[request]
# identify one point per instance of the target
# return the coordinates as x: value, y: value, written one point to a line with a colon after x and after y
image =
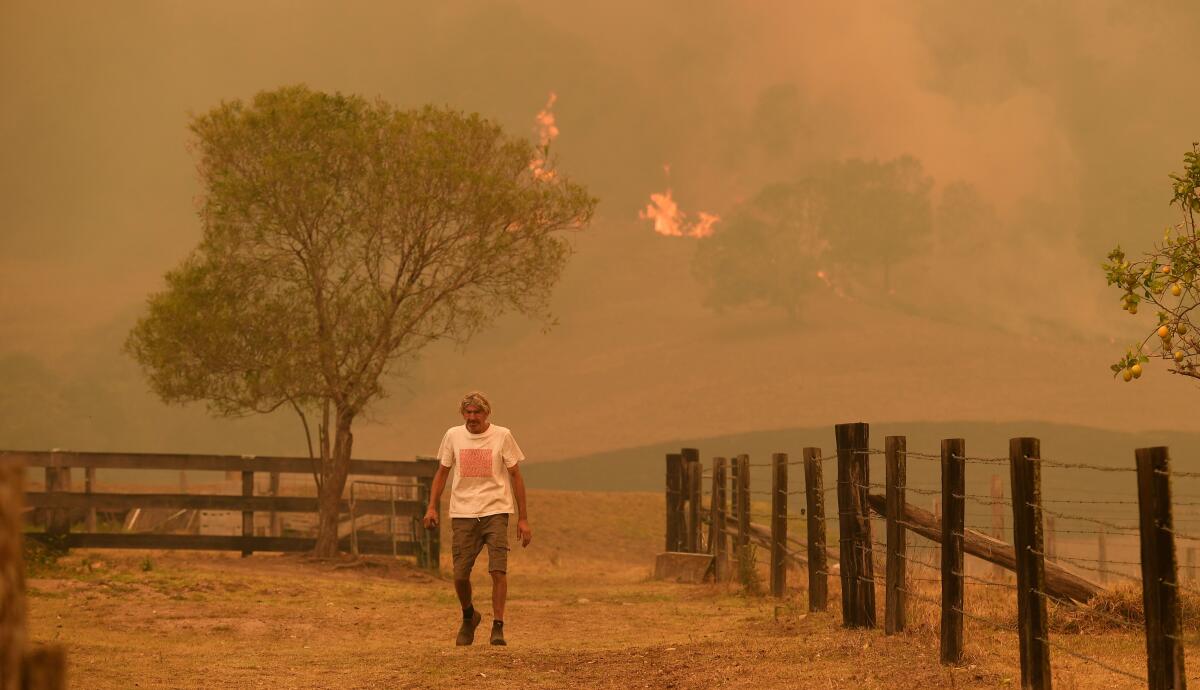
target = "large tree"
x: 768, y: 251
x: 1168, y: 277
x: 341, y: 236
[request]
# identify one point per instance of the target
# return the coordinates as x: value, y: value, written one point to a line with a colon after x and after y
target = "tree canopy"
x: 340, y: 237
x: 790, y: 237
x: 1168, y: 278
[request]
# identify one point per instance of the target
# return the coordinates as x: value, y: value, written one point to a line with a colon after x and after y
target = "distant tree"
x: 791, y: 237
x: 1169, y: 278
x: 879, y: 213
x: 341, y: 236
x: 767, y: 251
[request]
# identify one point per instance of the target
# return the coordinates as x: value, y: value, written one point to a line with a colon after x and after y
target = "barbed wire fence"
x: 1020, y: 577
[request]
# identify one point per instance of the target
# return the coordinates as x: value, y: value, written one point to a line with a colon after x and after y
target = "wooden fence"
x: 1038, y: 579
x: 59, y: 503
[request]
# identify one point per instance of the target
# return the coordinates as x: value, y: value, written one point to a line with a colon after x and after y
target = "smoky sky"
x: 1062, y: 118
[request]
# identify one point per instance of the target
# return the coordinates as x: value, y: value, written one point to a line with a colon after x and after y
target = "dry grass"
x: 583, y: 613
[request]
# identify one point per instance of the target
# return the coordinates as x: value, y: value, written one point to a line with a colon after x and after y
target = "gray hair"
x: 475, y: 398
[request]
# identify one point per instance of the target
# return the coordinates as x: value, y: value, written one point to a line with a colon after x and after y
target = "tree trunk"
x: 333, y: 483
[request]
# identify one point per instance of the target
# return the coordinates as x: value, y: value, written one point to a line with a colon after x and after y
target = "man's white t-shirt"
x: 480, y: 483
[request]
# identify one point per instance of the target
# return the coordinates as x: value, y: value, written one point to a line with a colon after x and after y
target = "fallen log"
x: 761, y: 534
x: 1059, y: 582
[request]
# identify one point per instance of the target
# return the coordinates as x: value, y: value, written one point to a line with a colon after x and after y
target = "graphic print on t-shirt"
x: 475, y: 462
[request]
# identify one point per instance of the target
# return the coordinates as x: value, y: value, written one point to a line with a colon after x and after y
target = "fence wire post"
x: 717, y: 506
x: 814, y: 494
x: 743, y: 490
x: 895, y: 453
x: 691, y: 494
x: 247, y: 515
x: 1024, y: 455
x: 997, y: 519
x: 674, y: 502
x: 779, y: 504
x: 1160, y: 577
x: 953, y: 523
x: 857, y: 562
x: 353, y: 524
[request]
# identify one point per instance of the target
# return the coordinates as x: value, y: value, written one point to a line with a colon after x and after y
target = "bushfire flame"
x: 547, y: 131
x: 669, y: 221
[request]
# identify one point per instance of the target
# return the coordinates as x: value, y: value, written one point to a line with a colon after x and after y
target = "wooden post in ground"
x: 247, y: 515
x: 58, y: 480
x: 276, y: 524
x: 1024, y: 456
x: 1160, y: 578
x: 857, y: 562
x: 743, y: 490
x: 954, y: 488
x: 13, y: 633
x: 695, y: 472
x: 717, y: 505
x: 21, y: 667
x: 814, y: 496
x: 1051, y: 539
x: 1102, y: 557
x: 89, y: 485
x: 674, y: 502
x: 997, y: 519
x: 779, y: 506
x: 895, y: 457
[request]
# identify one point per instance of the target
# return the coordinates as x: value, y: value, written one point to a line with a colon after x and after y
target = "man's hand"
x: 525, y: 532
x: 431, y: 518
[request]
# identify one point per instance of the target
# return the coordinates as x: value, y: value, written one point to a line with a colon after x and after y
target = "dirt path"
x: 582, y: 613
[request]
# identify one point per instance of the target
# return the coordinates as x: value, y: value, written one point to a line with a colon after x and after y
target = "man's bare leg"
x: 499, y: 593
x: 463, y: 589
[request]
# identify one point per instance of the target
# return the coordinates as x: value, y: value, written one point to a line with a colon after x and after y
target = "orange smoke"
x: 671, y: 222
x: 547, y: 132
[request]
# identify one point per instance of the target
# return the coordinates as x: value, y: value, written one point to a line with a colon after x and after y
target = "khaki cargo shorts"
x: 470, y: 536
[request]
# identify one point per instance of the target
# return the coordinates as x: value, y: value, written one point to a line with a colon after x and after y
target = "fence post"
x: 895, y: 454
x: 1102, y: 558
x: 674, y: 501
x: 743, y: 490
x: 276, y: 528
x: 13, y: 633
x: 857, y: 561
x: 997, y: 519
x: 814, y: 494
x: 779, y: 506
x: 717, y: 507
x: 89, y: 482
x: 247, y: 515
x: 953, y: 523
x: 1024, y: 455
x: 1160, y: 579
x: 1051, y: 539
x: 695, y: 472
x: 58, y: 480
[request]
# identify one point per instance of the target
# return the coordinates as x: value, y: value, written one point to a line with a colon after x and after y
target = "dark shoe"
x: 498, y: 634
x: 466, y: 633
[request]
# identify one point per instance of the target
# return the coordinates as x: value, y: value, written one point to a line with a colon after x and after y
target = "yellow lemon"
x: 1127, y: 375
x: 1179, y: 355
x: 1176, y: 289
x: 1163, y: 331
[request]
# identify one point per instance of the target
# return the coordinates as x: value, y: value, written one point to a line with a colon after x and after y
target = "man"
x: 485, y: 462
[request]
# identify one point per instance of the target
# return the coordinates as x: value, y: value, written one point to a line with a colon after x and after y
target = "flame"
x: 547, y: 131
x: 670, y: 221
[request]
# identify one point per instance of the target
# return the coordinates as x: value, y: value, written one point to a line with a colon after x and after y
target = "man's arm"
x: 435, y: 496
x: 518, y: 483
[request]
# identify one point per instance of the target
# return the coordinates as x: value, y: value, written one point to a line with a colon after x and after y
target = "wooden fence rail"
x: 59, y: 502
